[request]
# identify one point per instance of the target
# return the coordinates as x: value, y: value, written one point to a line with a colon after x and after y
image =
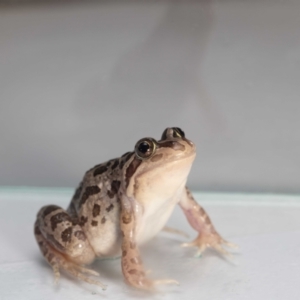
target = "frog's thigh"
x: 63, y: 243
x: 64, y: 234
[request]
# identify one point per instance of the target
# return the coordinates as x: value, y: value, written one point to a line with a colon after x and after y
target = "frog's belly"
x: 152, y: 222
x: 106, y: 238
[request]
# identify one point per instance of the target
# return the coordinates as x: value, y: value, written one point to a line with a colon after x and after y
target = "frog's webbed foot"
x: 211, y: 240
x: 134, y: 273
x: 144, y: 283
x: 79, y: 272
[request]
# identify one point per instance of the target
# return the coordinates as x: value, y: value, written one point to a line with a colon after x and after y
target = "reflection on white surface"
x: 267, y: 266
x: 81, y: 84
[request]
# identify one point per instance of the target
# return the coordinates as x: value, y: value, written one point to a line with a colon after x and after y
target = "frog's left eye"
x: 178, y: 132
x: 145, y: 148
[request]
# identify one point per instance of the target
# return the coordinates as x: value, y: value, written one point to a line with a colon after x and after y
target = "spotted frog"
x: 121, y: 204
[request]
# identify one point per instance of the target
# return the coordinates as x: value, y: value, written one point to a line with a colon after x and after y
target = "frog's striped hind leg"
x: 63, y: 244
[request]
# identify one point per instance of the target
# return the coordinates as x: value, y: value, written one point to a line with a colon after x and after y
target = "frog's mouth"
x: 160, y: 163
x: 176, y: 149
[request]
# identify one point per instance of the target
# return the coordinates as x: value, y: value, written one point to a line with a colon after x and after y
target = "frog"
x: 120, y: 205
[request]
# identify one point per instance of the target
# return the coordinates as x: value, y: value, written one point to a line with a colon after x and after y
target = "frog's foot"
x: 212, y: 240
x: 175, y: 231
x: 148, y: 284
x: 58, y: 262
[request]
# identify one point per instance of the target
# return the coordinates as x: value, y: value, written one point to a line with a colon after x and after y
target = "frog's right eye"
x: 173, y: 132
x: 145, y: 148
x: 178, y: 132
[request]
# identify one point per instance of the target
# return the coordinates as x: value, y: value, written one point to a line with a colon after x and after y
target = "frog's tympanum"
x: 121, y: 204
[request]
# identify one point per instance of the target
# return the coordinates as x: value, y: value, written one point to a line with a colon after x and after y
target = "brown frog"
x: 121, y: 204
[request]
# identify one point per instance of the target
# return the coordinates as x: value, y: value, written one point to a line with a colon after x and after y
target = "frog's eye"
x: 145, y: 148
x: 174, y: 132
x: 178, y: 132
x: 164, y: 134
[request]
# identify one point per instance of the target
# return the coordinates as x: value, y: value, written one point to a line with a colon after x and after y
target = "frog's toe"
x: 219, y: 245
x: 86, y: 271
x: 214, y: 241
x: 165, y: 281
x: 79, y: 274
x: 59, y: 262
x: 149, y: 285
x: 55, y: 268
x: 230, y: 245
x: 190, y: 244
x: 220, y: 249
x: 175, y: 231
x: 78, y: 271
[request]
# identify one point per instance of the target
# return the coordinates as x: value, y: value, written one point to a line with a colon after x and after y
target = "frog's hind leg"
x: 64, y: 244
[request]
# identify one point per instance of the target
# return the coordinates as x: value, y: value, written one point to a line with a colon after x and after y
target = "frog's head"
x: 160, y: 168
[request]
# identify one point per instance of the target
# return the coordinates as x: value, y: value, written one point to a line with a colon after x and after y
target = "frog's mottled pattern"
x: 121, y: 204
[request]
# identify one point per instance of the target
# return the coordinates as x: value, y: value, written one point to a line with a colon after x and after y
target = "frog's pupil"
x: 144, y: 147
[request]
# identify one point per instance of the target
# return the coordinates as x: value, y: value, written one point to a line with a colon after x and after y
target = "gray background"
x: 80, y: 84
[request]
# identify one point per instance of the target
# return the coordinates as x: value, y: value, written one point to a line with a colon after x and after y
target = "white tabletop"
x: 266, y: 227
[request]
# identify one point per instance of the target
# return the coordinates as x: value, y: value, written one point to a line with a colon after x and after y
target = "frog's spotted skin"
x: 121, y: 204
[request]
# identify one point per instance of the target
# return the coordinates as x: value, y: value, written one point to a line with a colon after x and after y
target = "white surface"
x: 80, y: 84
x: 266, y: 227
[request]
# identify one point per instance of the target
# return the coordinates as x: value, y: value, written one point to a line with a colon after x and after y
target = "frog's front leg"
x: 132, y: 265
x: 63, y: 243
x: 207, y: 237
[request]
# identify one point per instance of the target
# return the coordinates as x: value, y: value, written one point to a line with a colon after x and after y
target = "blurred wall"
x: 80, y: 84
